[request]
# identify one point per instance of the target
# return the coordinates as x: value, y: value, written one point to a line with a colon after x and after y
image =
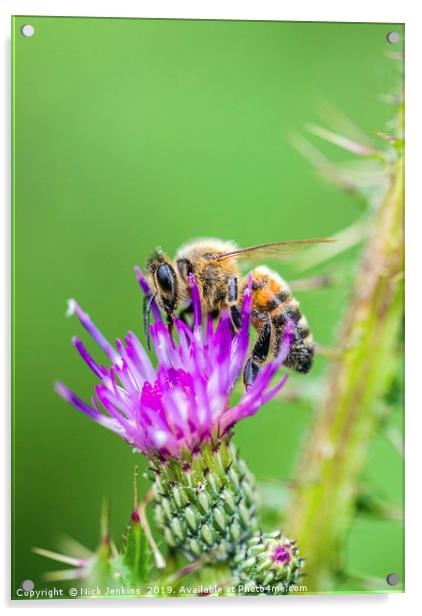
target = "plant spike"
x: 93, y: 568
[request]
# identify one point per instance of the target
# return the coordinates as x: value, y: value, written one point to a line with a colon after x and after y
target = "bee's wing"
x: 275, y: 250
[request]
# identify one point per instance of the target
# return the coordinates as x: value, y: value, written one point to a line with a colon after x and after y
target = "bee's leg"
x: 148, y: 299
x: 250, y: 372
x: 232, y: 292
x: 170, y: 325
x: 260, y: 350
x: 236, y: 316
x: 232, y: 297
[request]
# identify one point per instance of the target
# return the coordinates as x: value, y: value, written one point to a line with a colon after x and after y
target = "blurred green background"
x: 130, y: 133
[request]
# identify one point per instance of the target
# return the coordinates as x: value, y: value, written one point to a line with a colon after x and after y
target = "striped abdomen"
x: 273, y: 306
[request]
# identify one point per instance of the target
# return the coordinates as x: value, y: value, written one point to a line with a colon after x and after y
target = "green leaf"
x: 99, y: 573
x: 134, y: 564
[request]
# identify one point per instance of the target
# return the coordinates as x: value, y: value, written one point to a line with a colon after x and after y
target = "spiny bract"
x: 207, y: 504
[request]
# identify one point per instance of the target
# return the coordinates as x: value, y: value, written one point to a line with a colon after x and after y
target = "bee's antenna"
x: 148, y: 299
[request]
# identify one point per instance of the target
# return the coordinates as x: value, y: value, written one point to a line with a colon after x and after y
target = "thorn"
x: 61, y: 558
x: 390, y: 138
x: 105, y: 522
x: 341, y: 123
x: 158, y: 557
x: 114, y: 549
x: 341, y: 141
x: 69, y: 545
x: 64, y: 575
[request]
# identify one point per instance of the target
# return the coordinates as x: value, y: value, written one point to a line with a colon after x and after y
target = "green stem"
x: 336, y: 448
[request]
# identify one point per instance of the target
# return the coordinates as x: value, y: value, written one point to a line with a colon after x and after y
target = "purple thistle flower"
x: 185, y: 400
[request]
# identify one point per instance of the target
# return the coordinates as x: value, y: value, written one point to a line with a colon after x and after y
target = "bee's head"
x: 163, y: 279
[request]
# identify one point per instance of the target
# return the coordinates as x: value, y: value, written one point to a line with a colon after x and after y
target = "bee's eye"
x: 165, y: 278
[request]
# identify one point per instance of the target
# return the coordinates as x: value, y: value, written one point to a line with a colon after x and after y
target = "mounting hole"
x: 393, y: 579
x: 27, y: 30
x: 393, y: 38
x: 27, y: 585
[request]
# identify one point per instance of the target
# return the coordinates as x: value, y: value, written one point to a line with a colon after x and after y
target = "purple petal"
x: 249, y: 404
x: 68, y: 395
x: 164, y: 346
x: 87, y: 358
x: 133, y: 354
x: 144, y: 362
x: 93, y: 330
x: 270, y: 394
x: 110, y: 403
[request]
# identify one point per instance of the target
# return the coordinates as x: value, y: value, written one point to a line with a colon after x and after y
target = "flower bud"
x: 268, y: 563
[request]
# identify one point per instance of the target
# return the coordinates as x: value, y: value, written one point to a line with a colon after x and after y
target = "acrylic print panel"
x: 146, y: 467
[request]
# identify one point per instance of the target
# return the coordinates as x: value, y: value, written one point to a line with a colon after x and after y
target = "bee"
x: 215, y: 264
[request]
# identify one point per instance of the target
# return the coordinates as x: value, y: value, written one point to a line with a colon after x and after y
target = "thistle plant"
x: 327, y: 491
x: 178, y: 414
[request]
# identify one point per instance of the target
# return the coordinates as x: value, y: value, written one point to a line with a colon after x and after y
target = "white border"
x: 309, y: 10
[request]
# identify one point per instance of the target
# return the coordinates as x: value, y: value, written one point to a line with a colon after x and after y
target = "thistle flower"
x: 184, y: 402
x: 179, y: 416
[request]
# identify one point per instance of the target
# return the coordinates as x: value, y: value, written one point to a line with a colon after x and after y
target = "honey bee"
x: 215, y: 266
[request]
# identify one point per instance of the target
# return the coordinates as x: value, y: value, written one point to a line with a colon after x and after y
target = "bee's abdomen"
x: 269, y: 291
x: 272, y: 299
x: 301, y: 353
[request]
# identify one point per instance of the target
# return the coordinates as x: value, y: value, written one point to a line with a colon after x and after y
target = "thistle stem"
x: 336, y: 448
